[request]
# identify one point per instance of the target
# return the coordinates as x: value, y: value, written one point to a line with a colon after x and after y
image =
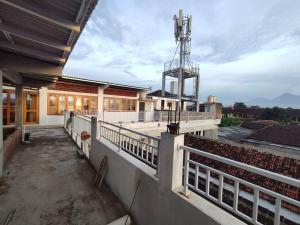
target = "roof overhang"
x: 37, y: 37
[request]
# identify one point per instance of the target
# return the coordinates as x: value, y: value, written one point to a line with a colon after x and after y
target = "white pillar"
x: 170, y: 161
x: 170, y: 172
x: 100, y: 101
x: 1, y: 126
x: 43, y: 114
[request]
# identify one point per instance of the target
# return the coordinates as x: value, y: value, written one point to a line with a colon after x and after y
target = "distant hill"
x: 285, y: 100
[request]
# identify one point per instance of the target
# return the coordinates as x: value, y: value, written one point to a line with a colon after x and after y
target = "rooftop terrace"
x: 48, y: 184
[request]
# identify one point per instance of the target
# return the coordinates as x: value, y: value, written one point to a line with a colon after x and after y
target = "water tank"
x: 212, y: 99
x: 174, y: 87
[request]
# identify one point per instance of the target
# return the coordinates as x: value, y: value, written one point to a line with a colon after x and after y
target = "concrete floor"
x: 49, y: 184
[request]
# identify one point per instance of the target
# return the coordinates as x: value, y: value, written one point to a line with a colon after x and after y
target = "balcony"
x: 171, y: 178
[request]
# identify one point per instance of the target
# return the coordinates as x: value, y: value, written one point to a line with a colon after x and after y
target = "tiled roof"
x: 279, y: 134
x: 258, y: 124
x: 278, y: 164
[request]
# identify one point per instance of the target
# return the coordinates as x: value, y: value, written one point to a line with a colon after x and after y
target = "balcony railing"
x: 201, y: 178
x: 156, y: 116
x: 142, y: 146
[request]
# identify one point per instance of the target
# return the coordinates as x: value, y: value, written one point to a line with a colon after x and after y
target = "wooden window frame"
x: 128, y: 102
x: 8, y: 107
x: 75, y: 97
x: 34, y: 111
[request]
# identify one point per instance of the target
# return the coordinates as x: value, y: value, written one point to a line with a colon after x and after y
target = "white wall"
x: 157, y: 201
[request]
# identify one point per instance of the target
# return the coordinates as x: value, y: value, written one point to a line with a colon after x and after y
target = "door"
x: 31, y: 109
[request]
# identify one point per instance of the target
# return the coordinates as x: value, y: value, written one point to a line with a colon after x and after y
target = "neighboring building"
x: 212, y: 106
x: 278, y: 134
x: 163, y: 103
x: 46, y: 105
x: 258, y: 124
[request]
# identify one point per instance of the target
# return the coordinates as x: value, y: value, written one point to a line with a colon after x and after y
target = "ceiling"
x: 37, y: 37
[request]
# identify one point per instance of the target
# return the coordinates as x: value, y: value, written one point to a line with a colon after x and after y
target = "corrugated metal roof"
x: 84, y: 80
x: 38, y: 29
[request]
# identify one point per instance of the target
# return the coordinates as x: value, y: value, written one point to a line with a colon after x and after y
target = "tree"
x: 230, y: 121
x: 239, y: 105
x: 278, y: 114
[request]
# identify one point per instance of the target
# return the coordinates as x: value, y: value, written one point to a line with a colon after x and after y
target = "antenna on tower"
x: 181, y: 67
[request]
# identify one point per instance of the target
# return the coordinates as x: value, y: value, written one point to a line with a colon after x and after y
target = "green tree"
x: 278, y: 114
x: 230, y: 121
x: 239, y: 105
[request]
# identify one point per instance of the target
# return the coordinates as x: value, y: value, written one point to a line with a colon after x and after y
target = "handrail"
x: 281, y: 200
x: 275, y: 176
x: 133, y: 131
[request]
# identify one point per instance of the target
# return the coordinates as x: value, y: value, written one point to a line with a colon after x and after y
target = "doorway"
x: 31, y: 108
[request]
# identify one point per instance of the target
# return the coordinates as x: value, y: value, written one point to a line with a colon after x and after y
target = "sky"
x: 246, y: 48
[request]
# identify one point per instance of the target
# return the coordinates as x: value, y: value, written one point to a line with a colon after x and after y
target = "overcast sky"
x: 245, y: 48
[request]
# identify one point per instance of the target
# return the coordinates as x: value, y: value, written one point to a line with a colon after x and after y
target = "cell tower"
x: 180, y: 66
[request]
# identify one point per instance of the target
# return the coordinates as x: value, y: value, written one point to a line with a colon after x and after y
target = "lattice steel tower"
x: 180, y: 66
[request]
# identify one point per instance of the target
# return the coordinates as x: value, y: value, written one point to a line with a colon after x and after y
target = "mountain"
x: 285, y: 100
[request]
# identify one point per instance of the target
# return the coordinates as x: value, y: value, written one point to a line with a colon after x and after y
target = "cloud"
x: 245, y: 48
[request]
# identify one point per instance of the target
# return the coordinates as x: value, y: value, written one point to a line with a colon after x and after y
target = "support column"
x: 163, y: 88
x: 170, y: 171
x: 170, y: 161
x: 19, y: 106
x: 100, y: 102
x: 1, y: 126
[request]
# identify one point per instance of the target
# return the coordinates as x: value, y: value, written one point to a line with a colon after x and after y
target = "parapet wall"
x: 10, y: 143
x: 158, y: 200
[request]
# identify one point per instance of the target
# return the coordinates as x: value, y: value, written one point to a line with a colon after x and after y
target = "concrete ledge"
x: 200, y: 210
x: 10, y: 143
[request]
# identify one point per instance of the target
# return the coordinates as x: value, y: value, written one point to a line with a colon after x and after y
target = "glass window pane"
x: 86, y: 103
x: 105, y: 107
x: 123, y: 105
x: 12, y: 101
x: 133, y: 105
x: 111, y: 104
x: 128, y: 104
x: 118, y: 102
x: 70, y: 103
x: 31, y: 101
x: 78, y: 103
x: 31, y: 117
x: 12, y: 116
x: 61, y: 104
x: 5, y: 107
x: 52, y: 104
x: 94, y: 101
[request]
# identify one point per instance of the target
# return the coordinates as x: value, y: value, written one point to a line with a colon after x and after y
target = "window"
x: 5, y: 108
x: 52, y: 104
x: 70, y: 103
x: 93, y: 105
x: 78, y: 103
x: 61, y: 104
x: 128, y: 104
x: 86, y: 103
x: 57, y: 103
x: 133, y: 105
x: 105, y: 106
x: 123, y: 105
x: 111, y: 104
x: 118, y: 102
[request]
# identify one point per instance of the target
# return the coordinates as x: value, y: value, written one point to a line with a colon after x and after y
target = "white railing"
x: 79, y: 125
x: 142, y: 146
x: 194, y: 174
